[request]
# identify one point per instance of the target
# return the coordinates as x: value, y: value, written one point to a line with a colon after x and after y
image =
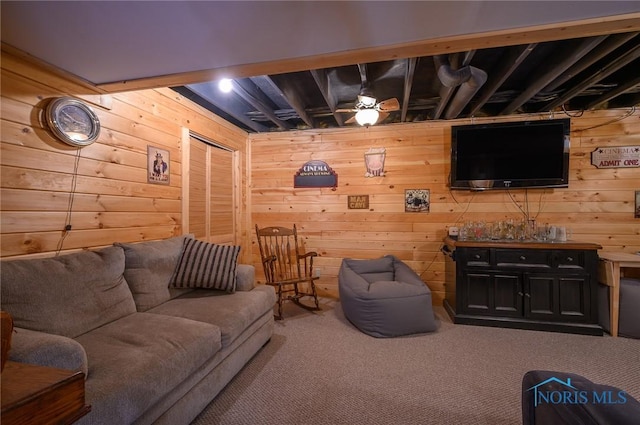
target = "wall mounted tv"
x: 523, y: 154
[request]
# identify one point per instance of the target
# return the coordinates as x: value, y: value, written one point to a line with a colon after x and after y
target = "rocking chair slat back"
x: 284, y: 266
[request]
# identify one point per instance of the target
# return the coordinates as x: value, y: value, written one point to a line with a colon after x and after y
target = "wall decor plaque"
x: 315, y: 173
x: 374, y: 162
x: 616, y: 157
x: 416, y: 200
x: 358, y: 202
x: 158, y: 170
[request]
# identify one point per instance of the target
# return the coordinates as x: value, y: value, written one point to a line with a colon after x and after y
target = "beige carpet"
x: 319, y: 369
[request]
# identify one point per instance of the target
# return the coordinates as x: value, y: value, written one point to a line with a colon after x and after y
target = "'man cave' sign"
x: 315, y: 174
x: 616, y: 157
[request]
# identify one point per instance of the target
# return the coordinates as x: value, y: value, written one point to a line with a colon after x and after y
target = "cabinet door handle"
x: 522, y: 257
x: 527, y: 295
x: 569, y: 259
x: 520, y: 293
x: 477, y: 256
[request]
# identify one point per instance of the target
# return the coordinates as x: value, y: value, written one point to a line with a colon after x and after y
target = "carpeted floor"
x: 319, y: 369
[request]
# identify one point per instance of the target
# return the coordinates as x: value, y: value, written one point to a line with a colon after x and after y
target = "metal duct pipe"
x: 448, y: 76
x: 466, y: 91
x: 450, y: 79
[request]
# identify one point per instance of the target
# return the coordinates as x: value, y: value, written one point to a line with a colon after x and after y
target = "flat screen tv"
x: 523, y: 154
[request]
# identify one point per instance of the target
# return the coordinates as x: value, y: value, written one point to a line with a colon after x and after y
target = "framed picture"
x: 637, y: 215
x: 158, y: 166
x: 416, y: 200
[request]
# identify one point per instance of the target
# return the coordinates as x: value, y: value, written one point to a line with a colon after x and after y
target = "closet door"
x: 221, y: 196
x: 211, y: 192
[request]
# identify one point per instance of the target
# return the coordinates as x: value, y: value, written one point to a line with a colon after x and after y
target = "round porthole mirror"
x: 72, y: 121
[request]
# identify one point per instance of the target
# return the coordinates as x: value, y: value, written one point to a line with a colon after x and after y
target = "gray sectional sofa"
x: 153, y: 350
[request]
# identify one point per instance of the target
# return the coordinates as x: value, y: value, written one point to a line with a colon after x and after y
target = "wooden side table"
x: 609, y: 273
x: 35, y: 395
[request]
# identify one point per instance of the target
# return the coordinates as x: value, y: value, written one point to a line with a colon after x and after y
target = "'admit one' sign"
x: 616, y: 157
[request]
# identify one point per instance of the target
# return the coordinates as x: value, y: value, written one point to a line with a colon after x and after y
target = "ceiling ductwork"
x: 447, y: 75
x: 469, y: 79
x: 465, y: 93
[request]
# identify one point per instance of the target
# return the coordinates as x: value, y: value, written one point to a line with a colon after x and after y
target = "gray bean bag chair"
x: 384, y: 297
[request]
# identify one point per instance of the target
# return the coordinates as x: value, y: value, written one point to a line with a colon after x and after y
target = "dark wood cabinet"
x: 527, y: 285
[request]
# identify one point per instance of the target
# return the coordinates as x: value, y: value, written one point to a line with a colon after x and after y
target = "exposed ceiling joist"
x: 207, y: 94
x: 248, y: 92
x: 408, y: 83
x: 562, y: 60
x: 628, y: 86
x: 512, y: 59
x: 607, y: 46
x: 621, y: 61
x: 321, y: 78
x: 291, y: 94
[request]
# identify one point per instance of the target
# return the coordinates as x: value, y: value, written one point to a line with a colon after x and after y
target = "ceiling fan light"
x: 367, y: 116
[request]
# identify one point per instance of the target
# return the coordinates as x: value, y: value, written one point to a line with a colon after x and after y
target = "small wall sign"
x: 374, y: 162
x: 358, y: 202
x: 158, y: 170
x: 616, y: 157
x: 416, y: 200
x: 315, y: 174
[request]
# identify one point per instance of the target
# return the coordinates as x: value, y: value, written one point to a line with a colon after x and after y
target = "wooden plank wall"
x: 598, y: 206
x: 112, y: 201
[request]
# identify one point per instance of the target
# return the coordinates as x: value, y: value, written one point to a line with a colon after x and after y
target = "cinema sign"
x: 315, y: 173
x: 616, y: 157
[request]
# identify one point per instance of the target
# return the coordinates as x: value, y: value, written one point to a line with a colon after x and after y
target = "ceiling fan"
x: 368, y: 110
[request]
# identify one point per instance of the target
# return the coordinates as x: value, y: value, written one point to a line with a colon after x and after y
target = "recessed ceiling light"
x: 225, y: 85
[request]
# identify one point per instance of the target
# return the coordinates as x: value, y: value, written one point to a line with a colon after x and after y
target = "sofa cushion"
x: 67, y: 295
x: 149, y: 268
x: 207, y: 265
x: 137, y: 360
x: 232, y: 313
x: 245, y: 277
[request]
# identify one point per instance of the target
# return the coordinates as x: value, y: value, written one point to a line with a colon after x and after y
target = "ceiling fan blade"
x: 351, y: 120
x: 388, y: 105
x: 382, y: 117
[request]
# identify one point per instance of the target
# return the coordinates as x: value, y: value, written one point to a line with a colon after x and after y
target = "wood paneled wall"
x: 112, y: 200
x: 598, y: 206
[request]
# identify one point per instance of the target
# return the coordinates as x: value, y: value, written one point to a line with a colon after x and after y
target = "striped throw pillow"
x: 206, y: 265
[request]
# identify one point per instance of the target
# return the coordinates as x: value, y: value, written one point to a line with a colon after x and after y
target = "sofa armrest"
x: 245, y: 277
x: 50, y: 350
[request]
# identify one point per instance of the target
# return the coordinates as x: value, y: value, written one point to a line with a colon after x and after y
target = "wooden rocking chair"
x: 285, y: 267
